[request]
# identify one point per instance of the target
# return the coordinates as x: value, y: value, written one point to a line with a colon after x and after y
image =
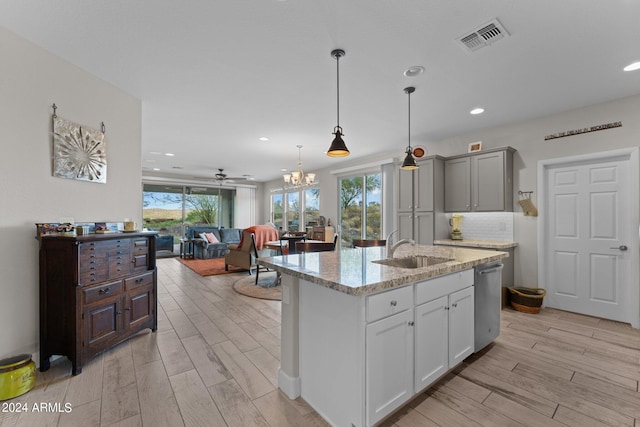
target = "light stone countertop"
x: 352, y: 272
x: 472, y: 243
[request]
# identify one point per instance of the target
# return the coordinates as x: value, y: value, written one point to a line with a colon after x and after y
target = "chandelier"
x: 298, y: 178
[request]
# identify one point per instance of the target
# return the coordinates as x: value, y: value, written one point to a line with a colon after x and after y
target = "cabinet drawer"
x: 119, y: 247
x: 92, y: 263
x: 94, y: 276
x: 96, y: 293
x: 140, y: 246
x: 444, y: 285
x: 388, y: 303
x: 92, y: 249
x: 137, y: 281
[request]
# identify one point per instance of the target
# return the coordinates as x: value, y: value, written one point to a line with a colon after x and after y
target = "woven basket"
x: 527, y: 300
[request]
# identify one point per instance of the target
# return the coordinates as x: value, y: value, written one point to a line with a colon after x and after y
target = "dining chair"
x: 317, y: 246
x: 358, y: 243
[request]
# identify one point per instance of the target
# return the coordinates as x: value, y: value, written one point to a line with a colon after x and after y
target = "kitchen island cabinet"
x: 349, y: 326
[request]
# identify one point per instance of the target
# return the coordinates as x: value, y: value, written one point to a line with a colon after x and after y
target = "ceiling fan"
x: 222, y: 177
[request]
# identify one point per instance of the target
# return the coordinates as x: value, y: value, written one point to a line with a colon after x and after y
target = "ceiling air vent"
x: 483, y: 36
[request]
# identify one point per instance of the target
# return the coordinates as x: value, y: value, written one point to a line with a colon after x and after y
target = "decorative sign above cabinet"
x: 583, y: 130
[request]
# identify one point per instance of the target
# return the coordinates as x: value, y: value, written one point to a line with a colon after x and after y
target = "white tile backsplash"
x: 487, y: 226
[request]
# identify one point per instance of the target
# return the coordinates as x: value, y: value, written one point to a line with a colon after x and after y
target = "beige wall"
x: 528, y: 139
x: 31, y: 80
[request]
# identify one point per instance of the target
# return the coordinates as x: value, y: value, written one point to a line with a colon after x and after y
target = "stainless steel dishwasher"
x: 487, y: 293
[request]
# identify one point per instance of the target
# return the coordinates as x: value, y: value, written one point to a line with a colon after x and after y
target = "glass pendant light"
x: 409, y: 162
x: 338, y: 148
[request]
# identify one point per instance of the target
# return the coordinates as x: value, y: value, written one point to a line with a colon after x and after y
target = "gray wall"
x: 31, y: 80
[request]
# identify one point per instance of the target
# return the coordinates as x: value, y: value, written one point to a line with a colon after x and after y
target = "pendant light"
x: 338, y: 148
x: 409, y: 162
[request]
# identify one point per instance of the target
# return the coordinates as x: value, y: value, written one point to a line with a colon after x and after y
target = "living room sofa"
x: 202, y: 249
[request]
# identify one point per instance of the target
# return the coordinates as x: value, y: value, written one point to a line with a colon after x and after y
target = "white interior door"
x: 589, y: 250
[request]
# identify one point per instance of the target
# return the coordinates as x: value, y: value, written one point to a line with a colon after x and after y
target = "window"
x: 311, y: 206
x: 360, y: 208
x: 293, y: 211
x: 277, y: 210
x: 301, y: 208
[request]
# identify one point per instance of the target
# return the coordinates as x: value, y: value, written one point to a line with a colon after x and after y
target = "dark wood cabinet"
x: 96, y: 291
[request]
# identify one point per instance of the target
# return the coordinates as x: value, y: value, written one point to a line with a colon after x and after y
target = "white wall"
x: 528, y: 139
x: 31, y: 80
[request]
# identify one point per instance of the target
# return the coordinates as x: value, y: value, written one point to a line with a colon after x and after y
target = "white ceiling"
x: 215, y: 75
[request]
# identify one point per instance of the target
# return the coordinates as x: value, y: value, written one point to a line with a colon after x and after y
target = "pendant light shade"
x: 338, y: 148
x: 409, y: 162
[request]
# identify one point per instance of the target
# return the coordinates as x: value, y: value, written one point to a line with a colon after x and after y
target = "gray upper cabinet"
x: 420, y: 194
x: 405, y: 191
x: 479, y: 182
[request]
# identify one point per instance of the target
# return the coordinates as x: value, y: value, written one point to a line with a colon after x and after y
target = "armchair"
x: 245, y: 254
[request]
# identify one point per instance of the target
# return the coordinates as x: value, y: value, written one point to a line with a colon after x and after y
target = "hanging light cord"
x: 409, y: 115
x: 409, y: 91
x: 338, y: 90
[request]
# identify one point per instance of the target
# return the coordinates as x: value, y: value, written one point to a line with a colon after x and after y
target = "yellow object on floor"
x: 17, y: 376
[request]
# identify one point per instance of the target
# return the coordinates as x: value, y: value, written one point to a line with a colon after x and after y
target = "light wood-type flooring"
x: 214, y: 358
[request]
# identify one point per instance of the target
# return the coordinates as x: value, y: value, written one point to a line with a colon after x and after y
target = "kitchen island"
x: 360, y: 338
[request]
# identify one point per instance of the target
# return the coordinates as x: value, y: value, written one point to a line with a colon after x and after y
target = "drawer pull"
x: 411, y: 323
x: 104, y: 291
x: 394, y: 303
x: 140, y: 280
x: 446, y: 307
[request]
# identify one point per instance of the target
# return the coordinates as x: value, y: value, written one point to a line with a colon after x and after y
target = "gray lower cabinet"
x: 479, y: 182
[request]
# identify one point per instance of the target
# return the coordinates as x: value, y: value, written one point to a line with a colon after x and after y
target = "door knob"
x: 621, y: 248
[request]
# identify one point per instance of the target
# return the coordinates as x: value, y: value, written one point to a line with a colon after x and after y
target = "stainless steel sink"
x: 417, y: 261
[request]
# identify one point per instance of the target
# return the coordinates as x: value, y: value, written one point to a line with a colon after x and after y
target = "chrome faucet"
x: 391, y: 248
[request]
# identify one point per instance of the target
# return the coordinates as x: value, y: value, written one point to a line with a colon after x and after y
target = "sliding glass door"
x: 170, y: 209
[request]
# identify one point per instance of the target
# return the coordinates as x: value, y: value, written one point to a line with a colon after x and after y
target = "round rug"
x: 266, y: 288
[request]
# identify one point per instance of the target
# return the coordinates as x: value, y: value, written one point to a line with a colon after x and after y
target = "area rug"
x: 267, y: 287
x: 209, y: 267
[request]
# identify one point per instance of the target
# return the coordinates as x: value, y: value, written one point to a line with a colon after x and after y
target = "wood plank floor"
x: 214, y: 358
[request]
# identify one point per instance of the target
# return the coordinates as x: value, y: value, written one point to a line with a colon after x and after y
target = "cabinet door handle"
x: 394, y: 303
x: 446, y: 307
x: 455, y: 304
x: 411, y: 323
x: 139, y: 280
x: 104, y: 291
x: 118, y: 312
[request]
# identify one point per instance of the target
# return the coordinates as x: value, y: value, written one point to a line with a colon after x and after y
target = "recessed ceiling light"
x: 156, y: 169
x: 477, y: 111
x: 169, y: 154
x: 632, y: 67
x: 414, y: 71
x: 263, y: 138
x: 283, y: 170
